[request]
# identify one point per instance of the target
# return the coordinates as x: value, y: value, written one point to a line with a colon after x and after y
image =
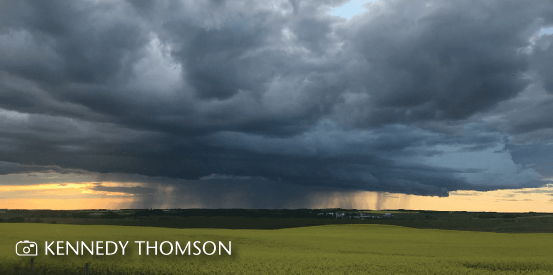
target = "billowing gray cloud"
x: 542, y: 56
x: 417, y: 97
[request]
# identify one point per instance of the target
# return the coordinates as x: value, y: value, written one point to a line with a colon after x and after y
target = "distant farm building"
x: 332, y: 214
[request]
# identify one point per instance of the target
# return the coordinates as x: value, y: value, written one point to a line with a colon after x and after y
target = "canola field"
x: 331, y: 249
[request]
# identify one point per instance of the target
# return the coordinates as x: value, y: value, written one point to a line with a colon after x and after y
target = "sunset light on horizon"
x: 87, y: 195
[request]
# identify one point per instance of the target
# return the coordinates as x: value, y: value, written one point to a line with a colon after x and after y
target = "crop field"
x: 329, y: 249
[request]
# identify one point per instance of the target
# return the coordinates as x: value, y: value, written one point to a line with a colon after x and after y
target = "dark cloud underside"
x: 417, y: 97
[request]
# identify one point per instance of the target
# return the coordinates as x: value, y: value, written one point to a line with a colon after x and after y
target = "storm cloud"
x: 414, y: 97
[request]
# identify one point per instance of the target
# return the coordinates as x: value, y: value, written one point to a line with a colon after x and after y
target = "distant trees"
x: 111, y: 215
x: 16, y: 219
x: 495, y: 216
x: 487, y: 216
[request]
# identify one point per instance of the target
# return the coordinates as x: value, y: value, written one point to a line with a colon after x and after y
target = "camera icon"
x: 26, y: 248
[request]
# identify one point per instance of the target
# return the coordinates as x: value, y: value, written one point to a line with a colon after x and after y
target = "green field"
x: 330, y: 249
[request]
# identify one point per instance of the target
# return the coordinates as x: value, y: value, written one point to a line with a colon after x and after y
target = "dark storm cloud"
x: 8, y: 167
x: 281, y: 91
x: 439, y: 61
x: 225, y: 191
x: 542, y: 58
x: 537, y: 156
x: 135, y: 190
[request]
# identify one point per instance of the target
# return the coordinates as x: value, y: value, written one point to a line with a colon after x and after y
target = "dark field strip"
x: 542, y: 224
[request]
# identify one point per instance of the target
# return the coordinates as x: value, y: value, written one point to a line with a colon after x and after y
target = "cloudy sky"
x: 276, y: 104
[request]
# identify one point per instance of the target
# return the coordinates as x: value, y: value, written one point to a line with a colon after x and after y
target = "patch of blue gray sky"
x: 351, y: 8
x: 546, y: 31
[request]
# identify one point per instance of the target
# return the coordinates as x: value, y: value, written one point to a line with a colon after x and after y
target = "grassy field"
x: 329, y: 249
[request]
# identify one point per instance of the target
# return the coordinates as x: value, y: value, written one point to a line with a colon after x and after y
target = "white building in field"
x: 364, y: 216
x: 332, y: 214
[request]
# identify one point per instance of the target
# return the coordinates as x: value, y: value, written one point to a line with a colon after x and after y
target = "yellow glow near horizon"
x: 67, y: 204
x: 510, y: 200
x: 48, y: 186
x: 66, y: 196
x: 71, y: 196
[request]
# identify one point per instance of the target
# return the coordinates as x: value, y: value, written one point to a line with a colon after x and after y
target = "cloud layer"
x: 415, y: 97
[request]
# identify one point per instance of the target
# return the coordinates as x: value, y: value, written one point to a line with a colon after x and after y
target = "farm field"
x: 328, y: 249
